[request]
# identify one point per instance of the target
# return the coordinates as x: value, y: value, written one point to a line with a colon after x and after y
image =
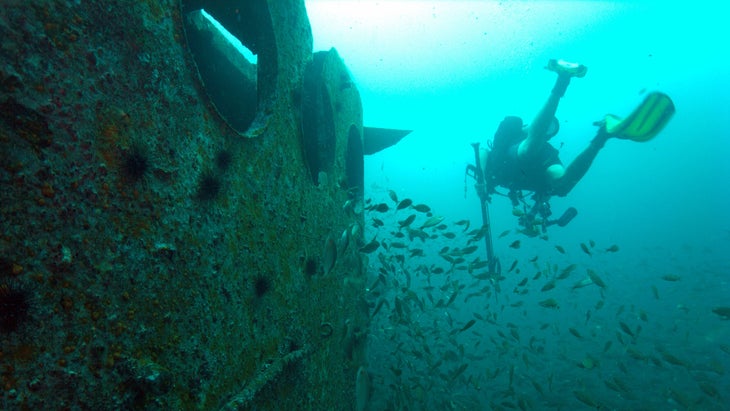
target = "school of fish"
x: 554, y: 330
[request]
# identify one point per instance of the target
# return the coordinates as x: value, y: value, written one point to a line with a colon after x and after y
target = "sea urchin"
x: 15, y: 304
x: 261, y: 285
x: 209, y: 185
x: 135, y: 163
x: 311, y: 266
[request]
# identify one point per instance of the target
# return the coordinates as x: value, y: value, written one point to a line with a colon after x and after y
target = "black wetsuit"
x: 516, y: 173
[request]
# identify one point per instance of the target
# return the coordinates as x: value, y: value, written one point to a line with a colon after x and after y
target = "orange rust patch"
x: 47, y: 190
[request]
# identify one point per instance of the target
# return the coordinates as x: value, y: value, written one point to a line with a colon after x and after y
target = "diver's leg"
x: 580, y: 165
x: 538, y: 128
x: 536, y: 133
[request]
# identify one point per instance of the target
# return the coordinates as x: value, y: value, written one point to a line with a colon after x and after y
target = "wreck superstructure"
x: 171, y: 251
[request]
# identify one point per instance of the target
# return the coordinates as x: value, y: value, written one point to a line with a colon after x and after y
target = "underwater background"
x: 652, y: 230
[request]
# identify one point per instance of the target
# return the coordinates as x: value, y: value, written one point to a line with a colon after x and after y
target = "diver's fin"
x: 567, y: 68
x: 645, y: 122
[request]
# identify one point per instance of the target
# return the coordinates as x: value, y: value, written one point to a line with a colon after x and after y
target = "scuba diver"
x: 521, y: 158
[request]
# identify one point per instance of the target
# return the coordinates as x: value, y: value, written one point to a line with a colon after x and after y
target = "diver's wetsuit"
x: 522, y: 160
x: 505, y: 168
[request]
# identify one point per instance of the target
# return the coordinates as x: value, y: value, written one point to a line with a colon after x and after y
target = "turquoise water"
x: 451, y: 71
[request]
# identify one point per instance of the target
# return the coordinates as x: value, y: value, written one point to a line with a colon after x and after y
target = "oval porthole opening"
x: 233, y: 48
x: 354, y: 164
x: 318, y: 123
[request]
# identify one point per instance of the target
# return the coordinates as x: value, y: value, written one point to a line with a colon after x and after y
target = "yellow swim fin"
x: 645, y: 122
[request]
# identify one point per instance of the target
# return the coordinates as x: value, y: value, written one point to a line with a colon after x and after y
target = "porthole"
x: 235, y: 54
x: 318, y: 123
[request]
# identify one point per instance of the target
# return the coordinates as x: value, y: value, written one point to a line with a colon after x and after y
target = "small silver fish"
x: 583, y: 283
x: 469, y: 250
x: 370, y: 247
x: 549, y: 303
x: 585, y: 249
x: 403, y: 204
x: 407, y: 221
x: 723, y: 312
x: 435, y: 220
x: 344, y: 240
x: 468, y: 325
x: 596, y: 279
x: 422, y: 208
x: 465, y: 223
x: 393, y: 196
x: 330, y: 255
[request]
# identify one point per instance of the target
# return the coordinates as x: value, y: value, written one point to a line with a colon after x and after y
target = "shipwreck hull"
x: 169, y: 259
